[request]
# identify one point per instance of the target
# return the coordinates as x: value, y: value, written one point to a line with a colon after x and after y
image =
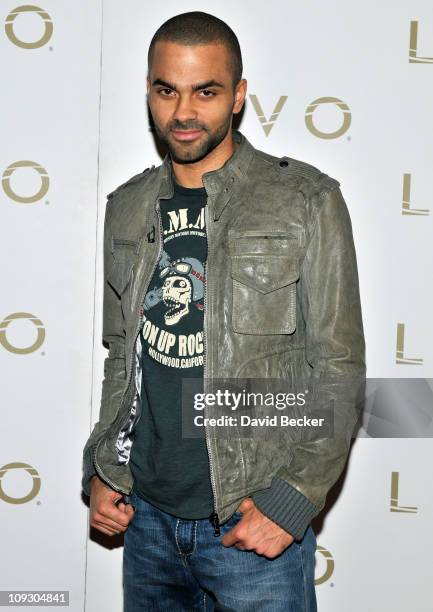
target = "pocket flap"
x: 264, y: 273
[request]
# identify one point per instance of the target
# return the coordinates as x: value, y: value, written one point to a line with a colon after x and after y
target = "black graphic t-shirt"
x: 169, y: 471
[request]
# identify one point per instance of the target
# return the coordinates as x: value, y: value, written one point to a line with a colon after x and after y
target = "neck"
x: 190, y: 175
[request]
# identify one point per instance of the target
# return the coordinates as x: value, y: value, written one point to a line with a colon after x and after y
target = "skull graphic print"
x: 172, y: 332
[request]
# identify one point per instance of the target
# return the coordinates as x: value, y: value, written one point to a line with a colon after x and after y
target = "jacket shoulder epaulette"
x: 130, y: 181
x: 296, y: 167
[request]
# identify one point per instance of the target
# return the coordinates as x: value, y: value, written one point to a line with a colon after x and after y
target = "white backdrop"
x: 74, y: 105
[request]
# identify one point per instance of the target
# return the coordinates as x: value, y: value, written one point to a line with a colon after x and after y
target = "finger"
x: 107, y: 522
x: 230, y: 538
x: 246, y: 504
x: 112, y: 513
x: 102, y: 523
x: 126, y: 509
x: 104, y: 529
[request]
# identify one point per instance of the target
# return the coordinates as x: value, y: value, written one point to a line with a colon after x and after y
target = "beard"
x: 190, y: 152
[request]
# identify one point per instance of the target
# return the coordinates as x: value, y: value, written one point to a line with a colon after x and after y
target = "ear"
x: 240, y: 93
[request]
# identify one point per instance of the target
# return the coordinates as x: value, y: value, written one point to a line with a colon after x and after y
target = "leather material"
x: 282, y: 301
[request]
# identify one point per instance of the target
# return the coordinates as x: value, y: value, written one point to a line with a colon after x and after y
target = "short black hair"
x: 199, y: 28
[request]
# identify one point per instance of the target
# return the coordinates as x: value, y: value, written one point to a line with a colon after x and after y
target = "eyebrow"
x: 197, y: 87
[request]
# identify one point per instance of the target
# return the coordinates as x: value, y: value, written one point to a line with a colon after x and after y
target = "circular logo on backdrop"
x: 20, y: 10
x: 45, y: 181
x: 329, y: 568
x: 28, y: 349
x: 347, y: 117
x: 36, y: 483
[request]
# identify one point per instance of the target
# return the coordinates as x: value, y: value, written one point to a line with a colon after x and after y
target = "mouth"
x: 186, y: 135
x: 174, y: 307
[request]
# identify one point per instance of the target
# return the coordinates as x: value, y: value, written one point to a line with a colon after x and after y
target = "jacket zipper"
x: 137, y: 331
x: 214, y: 519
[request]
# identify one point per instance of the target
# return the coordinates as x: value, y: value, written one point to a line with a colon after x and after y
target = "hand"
x: 257, y: 532
x: 105, y: 515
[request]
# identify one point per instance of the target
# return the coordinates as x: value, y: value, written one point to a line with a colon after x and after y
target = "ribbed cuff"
x: 88, y: 470
x: 286, y: 506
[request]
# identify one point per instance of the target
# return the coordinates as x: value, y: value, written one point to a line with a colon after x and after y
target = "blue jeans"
x: 177, y: 565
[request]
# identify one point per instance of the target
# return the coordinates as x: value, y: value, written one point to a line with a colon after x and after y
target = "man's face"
x: 191, y: 97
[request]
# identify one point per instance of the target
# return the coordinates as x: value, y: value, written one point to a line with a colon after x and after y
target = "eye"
x: 208, y: 91
x: 165, y: 89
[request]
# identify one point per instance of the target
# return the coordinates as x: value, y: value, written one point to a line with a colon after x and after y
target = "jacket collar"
x: 220, y: 184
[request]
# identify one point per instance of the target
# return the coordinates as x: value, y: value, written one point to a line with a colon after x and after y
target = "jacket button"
x: 284, y: 163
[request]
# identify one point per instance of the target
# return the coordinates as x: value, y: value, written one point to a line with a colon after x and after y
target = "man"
x: 223, y: 261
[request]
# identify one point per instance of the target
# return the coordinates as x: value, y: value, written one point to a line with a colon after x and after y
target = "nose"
x: 185, y: 110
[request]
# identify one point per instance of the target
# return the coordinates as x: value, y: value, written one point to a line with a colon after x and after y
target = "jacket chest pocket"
x: 264, y: 274
x: 120, y: 272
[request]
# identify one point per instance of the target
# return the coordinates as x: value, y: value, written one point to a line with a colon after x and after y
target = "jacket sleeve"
x: 335, y: 351
x: 113, y: 335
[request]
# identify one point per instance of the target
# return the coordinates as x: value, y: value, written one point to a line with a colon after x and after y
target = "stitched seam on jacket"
x: 284, y: 350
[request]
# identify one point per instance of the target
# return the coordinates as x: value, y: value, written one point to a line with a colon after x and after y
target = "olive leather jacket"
x: 281, y: 301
